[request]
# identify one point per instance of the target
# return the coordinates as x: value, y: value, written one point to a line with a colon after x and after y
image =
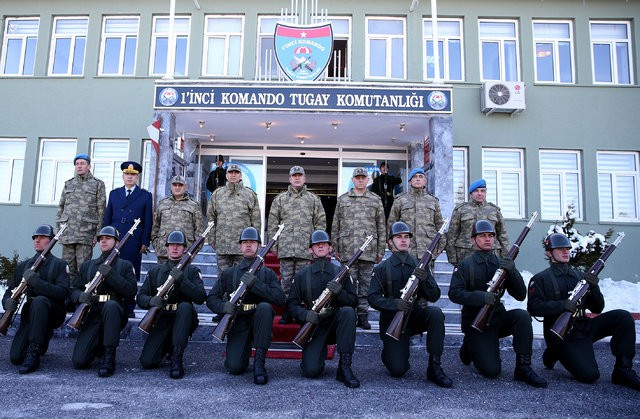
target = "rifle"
x: 153, y: 313
x: 303, y: 336
x: 21, y: 288
x: 398, y: 324
x: 236, y: 297
x: 564, y: 322
x: 78, y: 317
x: 496, y: 284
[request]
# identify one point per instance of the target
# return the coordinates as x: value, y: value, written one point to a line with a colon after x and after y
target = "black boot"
x: 286, y: 318
x: 435, y: 373
x: 176, y: 370
x: 465, y: 356
x: 31, y: 360
x: 363, y: 322
x: 523, y: 372
x: 108, y: 363
x: 344, y: 372
x: 624, y: 375
x: 260, y: 376
x: 549, y: 359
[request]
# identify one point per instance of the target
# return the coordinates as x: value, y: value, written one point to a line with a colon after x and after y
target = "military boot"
x: 436, y: 374
x: 523, y: 372
x: 31, y: 360
x: 624, y: 375
x: 548, y: 359
x: 465, y: 355
x: 363, y: 322
x: 260, y: 376
x: 176, y: 369
x: 108, y: 363
x: 344, y: 372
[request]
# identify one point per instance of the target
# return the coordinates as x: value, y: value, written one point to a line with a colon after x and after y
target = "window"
x: 503, y: 169
x: 11, y: 166
x: 67, y: 46
x: 560, y: 183
x: 385, y: 48
x: 268, y: 68
x: 460, y: 183
x: 339, y: 66
x: 553, y: 51
x: 160, y: 45
x: 618, y: 190
x: 119, y: 43
x: 500, y: 55
x: 19, y: 46
x: 223, y: 46
x: 106, y: 158
x: 449, y: 46
x: 56, y: 167
x: 611, y: 52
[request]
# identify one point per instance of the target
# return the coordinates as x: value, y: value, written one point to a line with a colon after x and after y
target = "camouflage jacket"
x: 421, y: 211
x: 183, y: 214
x: 232, y: 208
x: 356, y: 217
x: 82, y: 205
x: 459, y: 244
x: 302, y: 213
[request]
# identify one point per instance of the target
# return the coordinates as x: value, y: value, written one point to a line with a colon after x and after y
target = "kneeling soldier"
x: 179, y: 319
x: 254, y: 319
x: 336, y: 322
x: 100, y: 332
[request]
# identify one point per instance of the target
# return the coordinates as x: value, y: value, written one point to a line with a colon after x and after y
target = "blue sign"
x: 303, y: 52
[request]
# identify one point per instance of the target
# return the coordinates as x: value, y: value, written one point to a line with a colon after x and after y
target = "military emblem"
x: 303, y: 53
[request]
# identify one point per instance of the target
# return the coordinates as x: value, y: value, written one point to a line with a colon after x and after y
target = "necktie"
x: 128, y: 192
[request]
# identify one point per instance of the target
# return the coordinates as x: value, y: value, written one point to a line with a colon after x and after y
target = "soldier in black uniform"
x: 179, y: 319
x: 548, y: 297
x: 254, y: 319
x: 469, y: 288
x: 336, y: 322
x: 44, y: 309
x: 100, y: 332
x: 218, y: 176
x: 383, y: 185
x: 388, y: 279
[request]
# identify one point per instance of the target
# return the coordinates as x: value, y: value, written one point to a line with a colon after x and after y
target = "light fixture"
x: 212, y: 138
x: 301, y: 138
x: 335, y: 125
x: 393, y: 140
x: 201, y: 124
x: 267, y: 125
x: 402, y: 127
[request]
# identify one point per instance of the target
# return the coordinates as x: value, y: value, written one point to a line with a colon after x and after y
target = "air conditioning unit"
x: 503, y: 96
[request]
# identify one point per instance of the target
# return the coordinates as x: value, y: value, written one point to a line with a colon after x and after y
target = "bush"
x: 7, y: 267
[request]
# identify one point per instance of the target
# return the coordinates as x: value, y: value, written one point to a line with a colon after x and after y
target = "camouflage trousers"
x: 75, y: 254
x: 227, y: 261
x: 361, y: 272
x: 288, y: 269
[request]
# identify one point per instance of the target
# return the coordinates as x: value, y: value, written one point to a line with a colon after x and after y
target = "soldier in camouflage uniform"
x: 465, y: 215
x: 358, y: 214
x: 82, y: 205
x: 301, y: 212
x: 421, y: 212
x: 232, y: 208
x: 175, y: 212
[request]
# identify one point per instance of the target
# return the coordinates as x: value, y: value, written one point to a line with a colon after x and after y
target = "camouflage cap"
x: 233, y: 168
x: 296, y: 170
x: 178, y: 179
x: 360, y: 171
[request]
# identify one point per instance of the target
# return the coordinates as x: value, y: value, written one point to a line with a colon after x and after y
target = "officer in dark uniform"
x: 100, y: 331
x: 44, y: 309
x: 384, y: 185
x: 179, y: 319
x: 218, y: 176
x: 254, y: 319
x: 336, y: 322
x: 387, y: 282
x: 548, y: 297
x: 469, y: 288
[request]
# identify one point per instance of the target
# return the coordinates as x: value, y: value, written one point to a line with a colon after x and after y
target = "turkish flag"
x: 154, y: 134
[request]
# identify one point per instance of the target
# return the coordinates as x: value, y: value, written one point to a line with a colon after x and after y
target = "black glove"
x: 105, y: 270
x: 569, y: 306
x: 156, y: 301
x: 85, y: 297
x: 402, y: 305
x: 491, y: 298
x: 248, y: 279
x: 229, y: 308
x: 335, y: 287
x: 10, y: 304
x: 507, y: 264
x: 177, y: 275
x: 312, y: 317
x: 31, y: 277
x: 592, y: 279
x: 421, y: 274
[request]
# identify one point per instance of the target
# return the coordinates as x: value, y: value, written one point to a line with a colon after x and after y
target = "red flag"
x: 154, y: 134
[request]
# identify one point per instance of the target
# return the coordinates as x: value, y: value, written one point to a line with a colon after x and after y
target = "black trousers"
x: 247, y: 329
x: 395, y: 354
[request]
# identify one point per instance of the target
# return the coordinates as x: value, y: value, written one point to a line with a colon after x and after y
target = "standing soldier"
x: 44, y: 309
x: 100, y: 332
x: 231, y: 208
x: 465, y: 215
x: 336, y: 322
x: 218, y: 176
x: 81, y: 207
x: 389, y: 278
x: 469, y: 288
x: 383, y: 186
x: 301, y: 212
x: 175, y: 212
x: 178, y: 319
x: 359, y: 213
x: 254, y: 317
x: 548, y: 297
x: 421, y: 212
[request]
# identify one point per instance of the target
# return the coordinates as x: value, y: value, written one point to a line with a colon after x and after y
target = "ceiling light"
x: 335, y: 125
x: 267, y: 125
x: 201, y: 124
x: 402, y: 127
x: 301, y: 138
x: 212, y: 138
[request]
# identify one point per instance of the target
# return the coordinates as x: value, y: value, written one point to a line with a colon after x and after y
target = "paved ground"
x: 56, y: 390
